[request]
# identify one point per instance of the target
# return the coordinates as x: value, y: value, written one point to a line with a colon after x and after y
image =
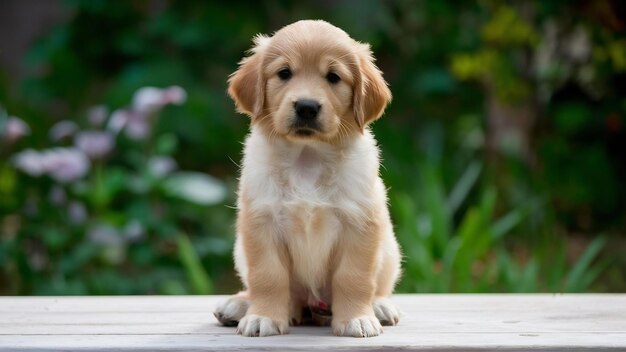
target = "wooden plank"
x: 430, y: 322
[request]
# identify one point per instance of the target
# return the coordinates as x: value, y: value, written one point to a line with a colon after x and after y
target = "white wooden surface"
x: 540, y: 322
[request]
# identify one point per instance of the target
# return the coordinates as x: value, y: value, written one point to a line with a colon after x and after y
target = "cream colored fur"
x: 313, y: 223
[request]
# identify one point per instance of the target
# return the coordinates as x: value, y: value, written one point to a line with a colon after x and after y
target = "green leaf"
x: 166, y: 144
x: 435, y: 80
x: 198, y: 278
x: 475, y: 240
x: 464, y: 186
x: 506, y: 223
x: 195, y: 187
x: 488, y: 203
x: 436, y: 207
x: 173, y: 287
x: 575, y: 278
x: 4, y: 117
x: 572, y: 118
x: 528, y: 279
x: 54, y: 238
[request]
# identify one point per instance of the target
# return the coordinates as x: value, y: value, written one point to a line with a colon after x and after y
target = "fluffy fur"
x: 313, y: 226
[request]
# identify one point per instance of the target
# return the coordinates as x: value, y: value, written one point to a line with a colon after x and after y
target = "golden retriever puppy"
x: 313, y: 228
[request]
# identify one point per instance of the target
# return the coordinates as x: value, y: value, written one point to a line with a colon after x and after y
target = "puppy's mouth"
x: 305, y: 129
x: 304, y: 132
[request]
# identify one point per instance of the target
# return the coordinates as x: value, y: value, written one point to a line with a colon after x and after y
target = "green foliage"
x: 471, y: 255
x: 506, y: 27
x: 495, y: 64
x: 198, y: 278
x: 469, y: 219
x: 115, y: 229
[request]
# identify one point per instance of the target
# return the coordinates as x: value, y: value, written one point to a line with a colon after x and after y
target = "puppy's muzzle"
x: 307, y: 112
x: 307, y: 109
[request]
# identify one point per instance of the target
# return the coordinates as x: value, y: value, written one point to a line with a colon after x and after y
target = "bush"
x: 503, y: 148
x: 106, y: 211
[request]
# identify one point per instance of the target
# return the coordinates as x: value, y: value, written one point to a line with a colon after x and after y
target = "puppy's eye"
x: 332, y: 78
x: 284, y: 74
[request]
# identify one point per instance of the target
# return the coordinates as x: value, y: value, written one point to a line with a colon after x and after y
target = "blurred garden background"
x: 504, y: 149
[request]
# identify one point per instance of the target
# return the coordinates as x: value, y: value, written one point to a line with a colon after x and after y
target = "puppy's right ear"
x: 371, y: 94
x: 246, y: 86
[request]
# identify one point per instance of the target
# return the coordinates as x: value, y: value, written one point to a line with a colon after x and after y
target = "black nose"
x: 307, y: 109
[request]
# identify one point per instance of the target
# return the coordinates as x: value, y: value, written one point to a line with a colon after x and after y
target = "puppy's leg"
x: 268, y: 280
x: 230, y: 312
x: 386, y: 311
x: 353, y: 284
x: 269, y: 309
x: 295, y: 313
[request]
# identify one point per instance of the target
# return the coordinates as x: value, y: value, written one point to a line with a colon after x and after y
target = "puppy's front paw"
x: 230, y: 312
x: 386, y: 311
x: 363, y: 326
x: 295, y: 314
x: 257, y: 325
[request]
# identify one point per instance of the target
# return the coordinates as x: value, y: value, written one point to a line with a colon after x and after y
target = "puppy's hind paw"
x: 386, y: 312
x: 231, y: 311
x: 363, y: 326
x: 256, y: 325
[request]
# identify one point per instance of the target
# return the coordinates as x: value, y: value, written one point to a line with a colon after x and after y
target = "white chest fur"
x: 304, y: 190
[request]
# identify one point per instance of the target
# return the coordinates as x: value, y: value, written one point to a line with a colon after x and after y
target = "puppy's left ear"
x: 246, y: 85
x: 371, y: 94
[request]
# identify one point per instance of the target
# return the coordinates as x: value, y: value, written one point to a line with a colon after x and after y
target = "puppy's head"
x: 309, y: 81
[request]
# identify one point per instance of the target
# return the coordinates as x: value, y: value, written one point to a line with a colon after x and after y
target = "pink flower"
x: 95, y: 144
x: 14, y: 129
x: 96, y: 115
x: 139, y: 126
x: 65, y: 164
x: 135, y: 124
x: 150, y: 99
x: 30, y: 162
x: 105, y: 234
x: 134, y: 231
x: 77, y: 212
x: 57, y: 195
x: 62, y: 129
x: 137, y: 121
x: 175, y: 95
x: 118, y: 120
x: 62, y: 164
x: 161, y: 165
